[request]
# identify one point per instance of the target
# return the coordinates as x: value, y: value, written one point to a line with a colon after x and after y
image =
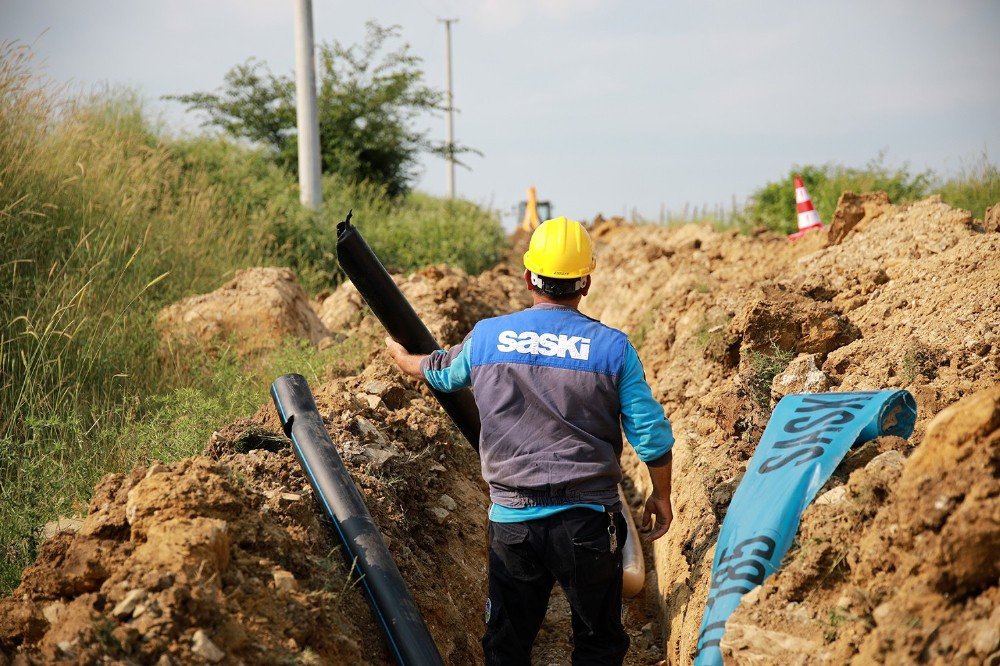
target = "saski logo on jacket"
x: 544, y: 344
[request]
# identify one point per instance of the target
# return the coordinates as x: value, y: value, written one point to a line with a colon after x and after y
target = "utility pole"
x: 310, y: 188
x: 451, y: 107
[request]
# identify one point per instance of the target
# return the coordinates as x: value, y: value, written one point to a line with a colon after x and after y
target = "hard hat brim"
x: 540, y: 269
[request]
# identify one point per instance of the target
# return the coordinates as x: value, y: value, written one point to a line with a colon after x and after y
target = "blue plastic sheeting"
x: 805, y: 440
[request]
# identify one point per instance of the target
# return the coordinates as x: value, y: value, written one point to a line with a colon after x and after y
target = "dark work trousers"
x: 572, y: 547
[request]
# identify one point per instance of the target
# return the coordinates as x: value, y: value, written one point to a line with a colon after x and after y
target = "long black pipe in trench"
x: 405, y: 628
x: 399, y: 319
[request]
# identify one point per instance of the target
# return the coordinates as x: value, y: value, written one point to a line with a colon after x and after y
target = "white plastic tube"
x: 633, y: 566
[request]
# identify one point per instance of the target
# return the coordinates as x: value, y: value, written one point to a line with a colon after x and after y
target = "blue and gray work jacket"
x: 555, y: 389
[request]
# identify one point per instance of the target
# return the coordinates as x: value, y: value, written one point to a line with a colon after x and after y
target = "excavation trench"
x: 394, y: 606
x: 228, y: 557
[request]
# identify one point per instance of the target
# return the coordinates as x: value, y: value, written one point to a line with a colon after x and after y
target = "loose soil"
x: 909, y: 297
x: 225, y: 557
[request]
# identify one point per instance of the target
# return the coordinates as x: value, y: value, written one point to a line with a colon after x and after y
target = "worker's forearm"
x: 658, y: 504
x: 410, y: 364
x: 407, y: 362
x: 660, y: 477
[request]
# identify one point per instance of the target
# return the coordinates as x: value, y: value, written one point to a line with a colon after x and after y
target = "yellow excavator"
x: 533, y: 212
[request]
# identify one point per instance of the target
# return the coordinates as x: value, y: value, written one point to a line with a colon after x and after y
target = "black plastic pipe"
x: 404, y: 627
x: 399, y: 318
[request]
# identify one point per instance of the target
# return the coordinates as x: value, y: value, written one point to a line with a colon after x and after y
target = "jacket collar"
x: 553, y: 306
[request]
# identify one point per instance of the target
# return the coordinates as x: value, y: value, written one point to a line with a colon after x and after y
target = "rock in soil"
x: 202, y: 646
x: 254, y: 312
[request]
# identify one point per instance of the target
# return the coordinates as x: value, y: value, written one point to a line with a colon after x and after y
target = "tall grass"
x: 103, y: 221
x: 99, y: 227
x: 975, y: 187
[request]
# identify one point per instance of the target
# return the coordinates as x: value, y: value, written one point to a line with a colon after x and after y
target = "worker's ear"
x: 527, y: 280
x: 586, y: 289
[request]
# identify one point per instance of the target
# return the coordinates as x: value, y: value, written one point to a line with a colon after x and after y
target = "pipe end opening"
x: 344, y: 226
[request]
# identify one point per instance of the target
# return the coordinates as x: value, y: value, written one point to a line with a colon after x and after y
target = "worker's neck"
x: 572, y: 303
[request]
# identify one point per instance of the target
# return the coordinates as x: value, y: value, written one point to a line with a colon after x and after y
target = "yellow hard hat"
x: 560, y: 248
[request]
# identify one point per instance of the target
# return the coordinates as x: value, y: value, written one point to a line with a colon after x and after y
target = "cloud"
x: 499, y: 15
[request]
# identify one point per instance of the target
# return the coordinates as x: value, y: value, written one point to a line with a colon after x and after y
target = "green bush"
x: 773, y: 205
x: 427, y: 230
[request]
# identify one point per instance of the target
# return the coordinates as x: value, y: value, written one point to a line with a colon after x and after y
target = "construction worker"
x: 555, y: 389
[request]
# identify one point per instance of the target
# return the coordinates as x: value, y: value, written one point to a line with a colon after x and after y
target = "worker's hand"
x: 407, y: 362
x: 659, y: 507
x: 396, y: 350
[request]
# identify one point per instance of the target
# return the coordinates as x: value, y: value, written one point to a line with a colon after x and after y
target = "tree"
x: 368, y: 97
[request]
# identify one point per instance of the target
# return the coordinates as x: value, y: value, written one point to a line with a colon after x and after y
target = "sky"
x: 604, y: 106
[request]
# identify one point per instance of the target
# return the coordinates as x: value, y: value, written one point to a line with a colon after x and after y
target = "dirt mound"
x: 255, y: 311
x: 852, y: 209
x: 910, y: 298
x: 261, y: 307
x: 171, y: 552
x: 451, y: 302
x: 898, y: 565
x: 227, y: 558
x: 518, y: 245
x: 342, y: 309
x: 991, y: 220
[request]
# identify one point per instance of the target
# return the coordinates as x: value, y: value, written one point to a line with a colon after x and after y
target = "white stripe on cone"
x: 809, y: 219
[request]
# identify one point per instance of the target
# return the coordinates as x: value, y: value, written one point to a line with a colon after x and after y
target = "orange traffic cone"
x: 808, y: 217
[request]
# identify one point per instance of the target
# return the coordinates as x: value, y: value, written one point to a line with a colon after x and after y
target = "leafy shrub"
x: 405, y: 233
x: 428, y: 230
x: 975, y: 188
